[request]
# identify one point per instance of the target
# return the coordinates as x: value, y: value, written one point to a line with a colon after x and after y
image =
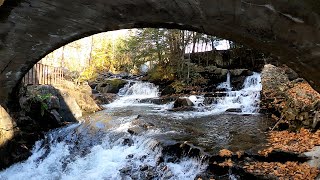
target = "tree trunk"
x: 194, y: 40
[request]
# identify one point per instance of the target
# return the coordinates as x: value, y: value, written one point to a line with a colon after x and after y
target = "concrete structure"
x: 30, y: 29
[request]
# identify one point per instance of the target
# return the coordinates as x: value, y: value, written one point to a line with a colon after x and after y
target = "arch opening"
x: 287, y: 30
x: 29, y: 30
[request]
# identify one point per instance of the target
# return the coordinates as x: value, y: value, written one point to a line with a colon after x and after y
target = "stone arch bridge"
x: 30, y: 29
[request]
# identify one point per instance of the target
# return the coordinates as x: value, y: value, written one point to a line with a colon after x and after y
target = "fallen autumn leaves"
x: 300, y: 142
x: 286, y: 141
x: 288, y: 170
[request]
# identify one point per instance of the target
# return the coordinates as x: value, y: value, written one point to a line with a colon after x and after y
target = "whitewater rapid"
x: 133, y: 92
x: 100, y: 150
x: 69, y: 155
x: 246, y: 100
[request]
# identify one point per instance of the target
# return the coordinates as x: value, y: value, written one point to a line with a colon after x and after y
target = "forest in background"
x: 160, y: 51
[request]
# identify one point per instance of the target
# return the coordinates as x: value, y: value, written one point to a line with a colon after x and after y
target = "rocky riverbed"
x: 218, y: 135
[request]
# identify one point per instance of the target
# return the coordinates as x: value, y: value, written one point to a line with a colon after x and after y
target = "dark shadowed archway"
x: 30, y: 29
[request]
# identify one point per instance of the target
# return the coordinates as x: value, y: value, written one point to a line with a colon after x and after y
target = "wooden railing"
x: 43, y: 74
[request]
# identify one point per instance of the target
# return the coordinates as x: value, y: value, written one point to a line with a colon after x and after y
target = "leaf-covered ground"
x: 288, y: 170
x: 300, y: 142
x: 303, y: 93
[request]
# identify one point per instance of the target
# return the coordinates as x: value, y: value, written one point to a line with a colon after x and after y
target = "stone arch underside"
x: 30, y: 29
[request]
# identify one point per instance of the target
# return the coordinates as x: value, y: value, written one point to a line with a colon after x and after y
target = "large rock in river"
x: 182, y: 102
x: 81, y: 94
x: 111, y: 86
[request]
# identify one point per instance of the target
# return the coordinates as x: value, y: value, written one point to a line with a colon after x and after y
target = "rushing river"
x: 132, y: 140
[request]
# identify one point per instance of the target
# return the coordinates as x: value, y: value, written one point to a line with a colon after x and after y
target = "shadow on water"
x: 217, y: 132
x: 211, y: 133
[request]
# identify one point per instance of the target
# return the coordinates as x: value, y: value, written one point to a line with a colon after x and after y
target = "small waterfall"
x: 133, y: 92
x: 143, y: 90
x: 123, y: 91
x: 247, y: 99
x: 226, y: 85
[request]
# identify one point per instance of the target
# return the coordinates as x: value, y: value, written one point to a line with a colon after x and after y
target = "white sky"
x: 222, y: 45
x: 118, y: 33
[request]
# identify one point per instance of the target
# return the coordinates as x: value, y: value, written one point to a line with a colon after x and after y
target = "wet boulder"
x: 144, y: 167
x: 56, y: 116
x: 184, y: 108
x: 128, y: 142
x: 136, y: 130
x: 147, y: 125
x: 214, y: 97
x: 69, y: 107
x: 53, y: 102
x: 111, y: 86
x: 240, y: 72
x: 104, y: 98
x: 316, y: 120
x: 292, y: 75
x: 183, y: 102
x: 237, y: 82
x: 210, y: 100
x: 139, y: 126
x: 234, y: 110
x: 160, y: 101
x: 238, y: 77
x: 125, y: 170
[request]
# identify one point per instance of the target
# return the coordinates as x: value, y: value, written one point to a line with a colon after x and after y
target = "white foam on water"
x: 227, y: 84
x: 185, y: 168
x: 60, y: 160
x: 247, y: 100
x: 197, y: 100
x: 133, y: 92
x: 35, y: 168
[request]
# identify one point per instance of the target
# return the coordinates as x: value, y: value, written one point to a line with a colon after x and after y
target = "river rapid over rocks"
x: 133, y: 139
